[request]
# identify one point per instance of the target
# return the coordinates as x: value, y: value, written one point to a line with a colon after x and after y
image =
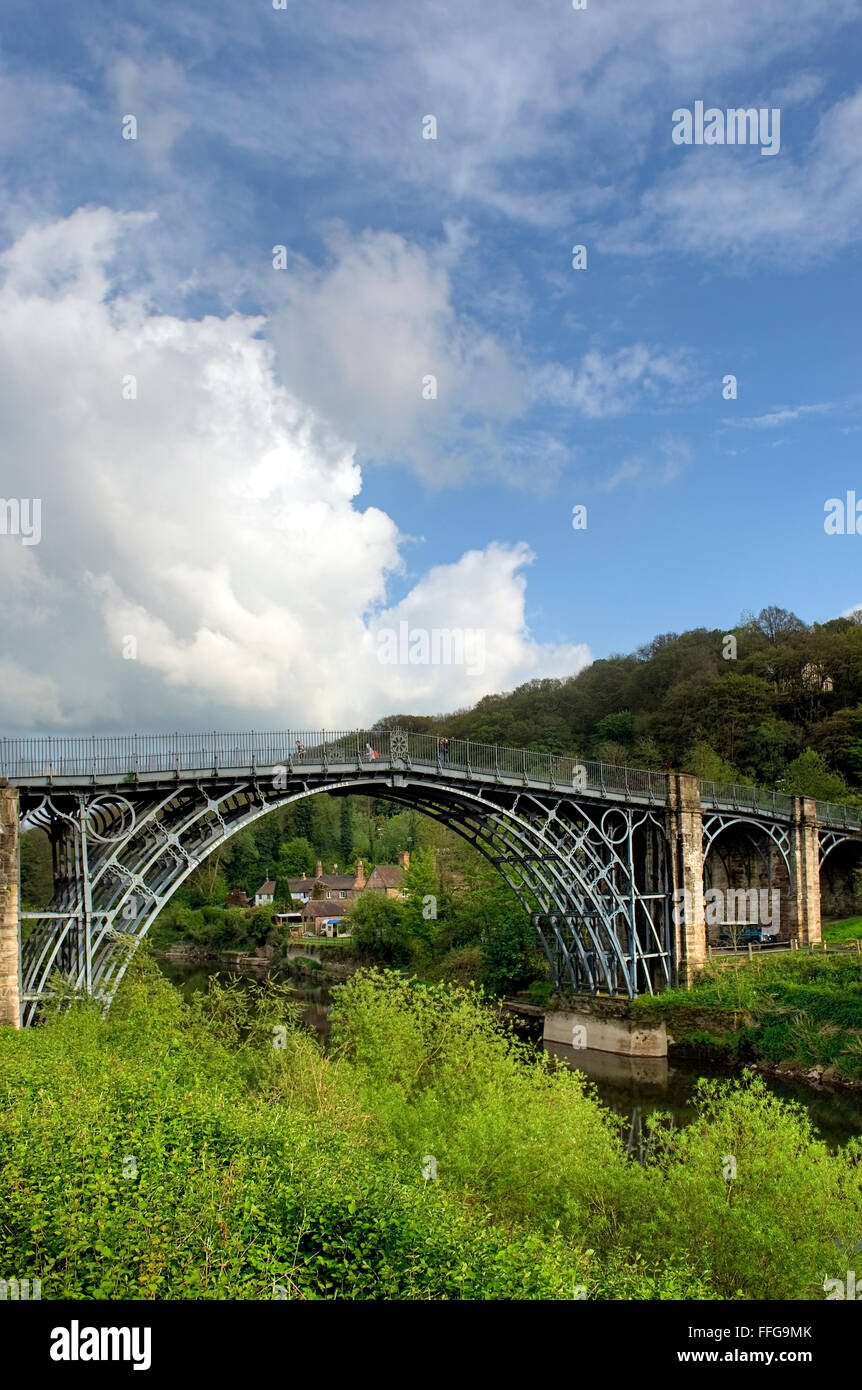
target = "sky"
x: 299, y: 366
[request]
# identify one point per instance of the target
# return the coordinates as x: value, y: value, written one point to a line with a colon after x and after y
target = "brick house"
x: 389, y: 878
x: 323, y: 917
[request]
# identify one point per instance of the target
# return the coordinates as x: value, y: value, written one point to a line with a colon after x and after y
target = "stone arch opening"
x: 746, y: 880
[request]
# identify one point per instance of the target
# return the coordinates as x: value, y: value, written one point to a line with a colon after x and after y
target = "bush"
x: 215, y: 1151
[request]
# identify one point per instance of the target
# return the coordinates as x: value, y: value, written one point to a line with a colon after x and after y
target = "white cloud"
x: 607, y: 384
x: 214, y: 518
x: 727, y: 203
x: 359, y: 339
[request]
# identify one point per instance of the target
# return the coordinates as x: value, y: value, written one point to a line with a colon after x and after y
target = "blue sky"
x: 278, y: 491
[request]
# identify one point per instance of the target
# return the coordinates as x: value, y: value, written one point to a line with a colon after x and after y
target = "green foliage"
x: 259, y: 1160
x: 37, y: 878
x: 380, y: 931
x: 809, y: 775
x: 345, y: 839
x: 296, y: 859
x: 770, y: 1231
x: 806, y: 1008
x: 510, y: 946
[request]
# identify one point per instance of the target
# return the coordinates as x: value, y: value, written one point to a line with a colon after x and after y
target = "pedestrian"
x: 369, y: 753
x: 443, y: 746
x: 300, y: 751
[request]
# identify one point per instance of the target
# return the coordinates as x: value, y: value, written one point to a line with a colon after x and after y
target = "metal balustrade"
x: 129, y: 757
x: 833, y: 813
x: 731, y: 796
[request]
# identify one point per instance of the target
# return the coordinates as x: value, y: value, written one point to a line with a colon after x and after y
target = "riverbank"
x: 796, y: 1015
x: 334, y: 960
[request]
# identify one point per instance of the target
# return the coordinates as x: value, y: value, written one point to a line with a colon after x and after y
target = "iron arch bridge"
x: 595, y: 853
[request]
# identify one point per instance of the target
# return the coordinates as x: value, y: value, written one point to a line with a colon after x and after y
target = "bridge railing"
x: 133, y: 755
x: 732, y: 796
x: 842, y: 817
x: 431, y: 750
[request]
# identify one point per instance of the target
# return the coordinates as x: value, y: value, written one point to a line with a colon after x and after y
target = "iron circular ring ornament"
x: 614, y: 826
x: 101, y: 805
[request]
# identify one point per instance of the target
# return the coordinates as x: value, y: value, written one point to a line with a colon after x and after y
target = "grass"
x: 803, y: 1009
x: 836, y: 933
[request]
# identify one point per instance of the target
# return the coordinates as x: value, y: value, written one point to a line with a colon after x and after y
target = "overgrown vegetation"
x: 804, y: 1010
x: 173, y: 1151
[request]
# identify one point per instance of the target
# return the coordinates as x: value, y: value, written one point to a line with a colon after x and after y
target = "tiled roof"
x: 325, y: 907
x: 305, y: 885
x: 268, y: 886
x: 391, y: 874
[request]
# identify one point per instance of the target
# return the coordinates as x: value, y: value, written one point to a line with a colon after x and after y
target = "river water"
x: 632, y: 1087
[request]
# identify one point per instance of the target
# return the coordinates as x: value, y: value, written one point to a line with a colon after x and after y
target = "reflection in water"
x: 632, y: 1087
x: 194, y: 979
x: 637, y: 1087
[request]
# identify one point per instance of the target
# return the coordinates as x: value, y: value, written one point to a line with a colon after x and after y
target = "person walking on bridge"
x: 300, y: 751
x: 443, y: 749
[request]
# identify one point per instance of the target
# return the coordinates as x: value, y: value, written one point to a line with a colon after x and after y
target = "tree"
x: 345, y: 839
x: 296, y: 858
x: 510, y: 945
x: 301, y: 819
x: 380, y: 930
x: 704, y: 762
x: 774, y: 623
x: 839, y: 739
x: 422, y: 898
x: 646, y: 754
x: 37, y: 877
x: 810, y: 775
x: 616, y: 728
x: 209, y: 884
x: 242, y: 863
x: 649, y: 649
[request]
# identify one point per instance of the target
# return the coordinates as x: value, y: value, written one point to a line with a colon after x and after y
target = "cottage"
x: 343, y: 887
x: 323, y: 918
x: 388, y: 878
x: 265, y: 893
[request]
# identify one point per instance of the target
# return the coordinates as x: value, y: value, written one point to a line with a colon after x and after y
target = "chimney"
x: 359, y: 881
x: 319, y: 869
x: 404, y: 858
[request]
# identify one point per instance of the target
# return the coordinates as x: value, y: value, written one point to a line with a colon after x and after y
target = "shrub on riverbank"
x: 803, y: 1008
x: 215, y: 1150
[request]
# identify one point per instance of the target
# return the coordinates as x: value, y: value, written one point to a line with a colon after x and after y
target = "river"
x: 632, y: 1087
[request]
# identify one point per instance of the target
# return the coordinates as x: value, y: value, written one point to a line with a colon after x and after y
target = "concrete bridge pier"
x: 685, y: 839
x: 10, y: 927
x: 804, y: 873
